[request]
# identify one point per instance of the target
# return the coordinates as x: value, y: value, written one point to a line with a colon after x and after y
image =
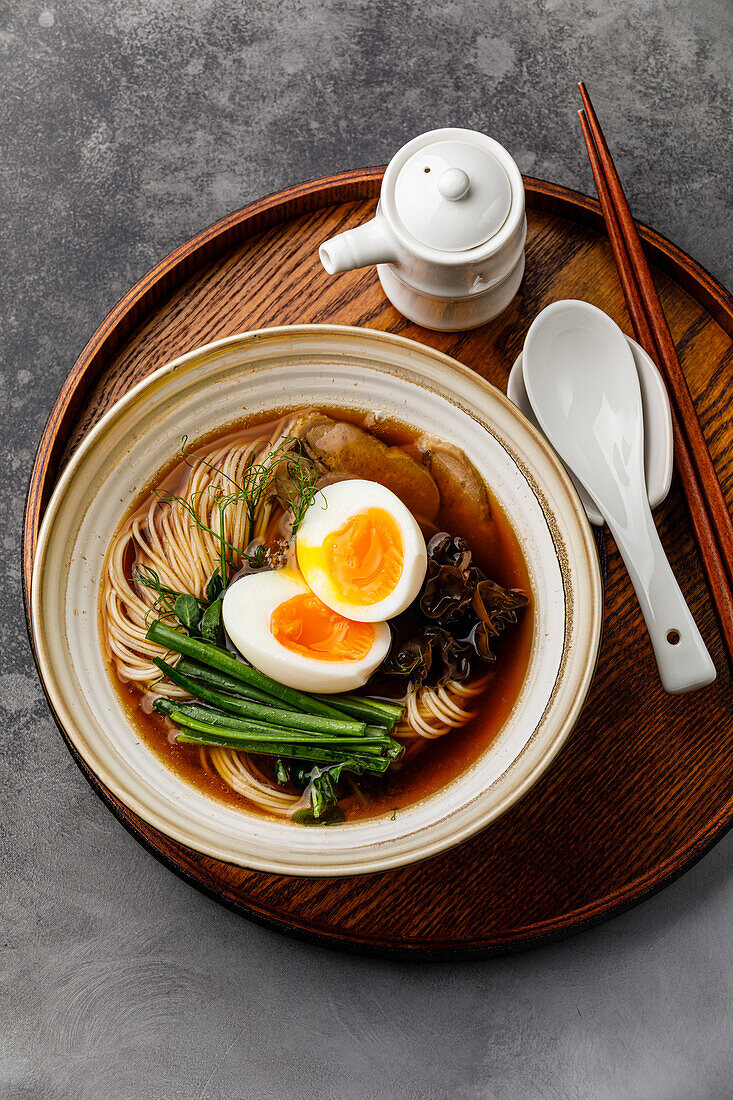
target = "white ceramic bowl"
x: 267, y: 371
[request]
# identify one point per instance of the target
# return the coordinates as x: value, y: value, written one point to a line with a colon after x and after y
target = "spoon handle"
x: 682, y: 659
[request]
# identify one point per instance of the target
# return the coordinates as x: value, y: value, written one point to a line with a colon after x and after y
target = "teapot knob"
x: 453, y: 184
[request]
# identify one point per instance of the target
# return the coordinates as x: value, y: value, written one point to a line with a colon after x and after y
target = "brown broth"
x: 428, y: 765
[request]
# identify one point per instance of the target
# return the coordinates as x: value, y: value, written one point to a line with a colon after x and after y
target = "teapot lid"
x: 453, y: 193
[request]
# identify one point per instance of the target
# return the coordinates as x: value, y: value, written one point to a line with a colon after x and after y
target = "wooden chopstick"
x: 703, y: 520
x: 712, y: 497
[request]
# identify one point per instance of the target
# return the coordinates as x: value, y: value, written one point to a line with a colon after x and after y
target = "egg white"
x: 332, y: 508
x: 248, y: 605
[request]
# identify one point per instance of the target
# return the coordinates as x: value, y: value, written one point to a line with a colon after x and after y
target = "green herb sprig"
x: 201, y: 617
x: 287, y: 474
x: 165, y: 597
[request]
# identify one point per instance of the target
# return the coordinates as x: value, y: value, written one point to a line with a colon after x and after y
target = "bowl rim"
x: 381, y: 861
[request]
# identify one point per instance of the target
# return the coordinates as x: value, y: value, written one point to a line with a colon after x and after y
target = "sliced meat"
x: 342, y: 448
x: 464, y: 499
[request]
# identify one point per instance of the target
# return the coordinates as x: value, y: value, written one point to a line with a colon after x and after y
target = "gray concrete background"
x: 125, y: 127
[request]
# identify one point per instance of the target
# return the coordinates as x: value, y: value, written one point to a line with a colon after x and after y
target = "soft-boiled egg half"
x: 281, y: 627
x: 361, y: 551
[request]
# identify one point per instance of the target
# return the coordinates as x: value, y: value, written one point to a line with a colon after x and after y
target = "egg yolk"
x: 364, y: 557
x: 303, y: 624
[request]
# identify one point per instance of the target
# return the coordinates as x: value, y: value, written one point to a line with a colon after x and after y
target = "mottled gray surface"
x: 124, y: 127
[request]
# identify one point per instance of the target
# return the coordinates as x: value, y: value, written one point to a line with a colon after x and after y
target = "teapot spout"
x: 367, y: 244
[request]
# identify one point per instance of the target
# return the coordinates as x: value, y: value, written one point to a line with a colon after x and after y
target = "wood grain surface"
x: 645, y: 784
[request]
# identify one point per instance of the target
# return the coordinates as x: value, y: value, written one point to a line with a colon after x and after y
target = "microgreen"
x: 166, y: 597
x: 210, y: 625
x: 199, y: 616
x: 215, y: 587
x: 286, y: 474
x: 186, y: 610
x: 322, y: 793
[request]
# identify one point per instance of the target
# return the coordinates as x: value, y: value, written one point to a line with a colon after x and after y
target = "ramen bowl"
x: 267, y: 372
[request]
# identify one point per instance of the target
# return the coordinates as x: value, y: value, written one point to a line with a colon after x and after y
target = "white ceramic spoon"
x: 584, y: 389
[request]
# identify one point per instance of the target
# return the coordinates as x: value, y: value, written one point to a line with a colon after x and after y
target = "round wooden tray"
x: 644, y: 786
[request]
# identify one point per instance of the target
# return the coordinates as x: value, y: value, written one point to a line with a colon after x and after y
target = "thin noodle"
x: 237, y: 771
x: 433, y: 712
x: 165, y: 538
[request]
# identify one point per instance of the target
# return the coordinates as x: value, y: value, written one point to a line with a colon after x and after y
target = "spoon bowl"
x: 658, y: 440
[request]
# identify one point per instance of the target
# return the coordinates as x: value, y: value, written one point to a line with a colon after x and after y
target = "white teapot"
x: 448, y: 236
